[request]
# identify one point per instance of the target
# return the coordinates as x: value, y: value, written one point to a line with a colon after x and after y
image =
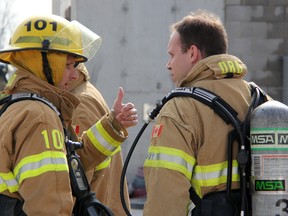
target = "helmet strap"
x: 46, y: 67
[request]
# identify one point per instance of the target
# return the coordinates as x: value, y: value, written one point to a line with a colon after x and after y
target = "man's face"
x: 179, y: 63
x: 69, y: 74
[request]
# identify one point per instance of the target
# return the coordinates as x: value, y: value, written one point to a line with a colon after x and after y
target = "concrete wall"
x: 258, y: 32
x: 61, y: 7
x: 134, y: 53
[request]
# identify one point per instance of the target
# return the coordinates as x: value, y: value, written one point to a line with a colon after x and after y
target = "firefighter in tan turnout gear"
x: 105, y: 178
x: 34, y: 176
x: 189, y: 140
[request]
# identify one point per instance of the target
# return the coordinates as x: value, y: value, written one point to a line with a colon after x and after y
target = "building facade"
x: 134, y: 54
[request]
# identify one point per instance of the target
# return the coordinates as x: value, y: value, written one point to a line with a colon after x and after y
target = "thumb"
x: 117, y: 106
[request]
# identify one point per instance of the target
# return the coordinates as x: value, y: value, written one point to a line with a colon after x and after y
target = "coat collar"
x: 215, y: 67
x: 23, y: 81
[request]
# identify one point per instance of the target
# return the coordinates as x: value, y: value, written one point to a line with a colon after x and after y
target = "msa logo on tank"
x: 269, y: 137
x: 270, y: 185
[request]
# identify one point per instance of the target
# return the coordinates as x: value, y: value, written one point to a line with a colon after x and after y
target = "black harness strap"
x: 216, y: 103
x: 7, y: 101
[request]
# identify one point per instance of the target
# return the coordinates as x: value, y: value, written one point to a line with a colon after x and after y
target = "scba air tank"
x: 269, y: 159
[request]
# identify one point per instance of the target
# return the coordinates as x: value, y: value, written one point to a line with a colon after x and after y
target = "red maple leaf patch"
x: 157, y: 130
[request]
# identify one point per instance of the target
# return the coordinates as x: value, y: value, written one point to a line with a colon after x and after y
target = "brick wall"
x: 258, y: 33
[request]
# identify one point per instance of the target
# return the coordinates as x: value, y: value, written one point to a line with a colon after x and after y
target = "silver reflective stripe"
x: 38, y: 164
x: 101, y: 140
x: 9, y: 183
x: 171, y: 158
x: 194, y: 91
x: 213, y: 174
x: 204, y: 94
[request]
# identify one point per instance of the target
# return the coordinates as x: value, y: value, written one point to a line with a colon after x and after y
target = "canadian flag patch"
x: 157, y: 130
x: 76, y: 129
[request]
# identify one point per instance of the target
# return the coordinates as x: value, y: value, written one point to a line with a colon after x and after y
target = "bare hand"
x: 125, y: 114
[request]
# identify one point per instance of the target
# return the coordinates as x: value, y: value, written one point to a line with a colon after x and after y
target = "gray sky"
x: 25, y: 8
x: 15, y: 11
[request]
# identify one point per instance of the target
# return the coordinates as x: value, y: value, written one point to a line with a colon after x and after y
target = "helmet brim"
x: 6, y: 53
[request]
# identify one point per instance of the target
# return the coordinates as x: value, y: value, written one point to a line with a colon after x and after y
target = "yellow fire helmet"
x: 49, y: 37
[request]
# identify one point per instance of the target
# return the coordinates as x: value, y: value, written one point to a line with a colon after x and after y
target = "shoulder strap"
x: 215, y: 102
x: 13, y: 98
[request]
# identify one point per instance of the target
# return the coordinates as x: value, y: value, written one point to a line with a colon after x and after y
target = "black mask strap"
x: 46, y: 67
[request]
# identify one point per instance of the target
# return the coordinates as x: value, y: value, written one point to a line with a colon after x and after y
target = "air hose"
x: 152, y: 115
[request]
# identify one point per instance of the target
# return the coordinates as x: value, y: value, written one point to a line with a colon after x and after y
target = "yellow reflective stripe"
x: 106, y: 163
x: 11, y: 79
x: 8, y: 182
x: 170, y: 158
x: 38, y: 164
x: 212, y: 175
x: 117, y: 150
x: 203, y: 176
x: 102, y: 140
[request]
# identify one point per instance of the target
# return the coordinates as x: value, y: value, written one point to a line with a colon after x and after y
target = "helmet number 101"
x: 41, y: 25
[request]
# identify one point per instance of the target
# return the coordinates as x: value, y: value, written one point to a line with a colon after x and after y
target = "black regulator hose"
x: 152, y: 115
x: 125, y: 169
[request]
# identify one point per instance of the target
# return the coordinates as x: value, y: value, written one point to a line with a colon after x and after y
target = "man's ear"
x: 195, y: 53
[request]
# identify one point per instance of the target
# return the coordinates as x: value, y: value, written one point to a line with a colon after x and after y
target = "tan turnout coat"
x: 193, y: 138
x: 105, y: 178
